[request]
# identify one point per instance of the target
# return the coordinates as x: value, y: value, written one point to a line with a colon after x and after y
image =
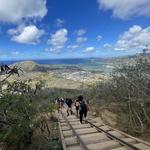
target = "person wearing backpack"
x: 61, y: 104
x: 77, y: 104
x: 82, y: 108
x: 69, y: 106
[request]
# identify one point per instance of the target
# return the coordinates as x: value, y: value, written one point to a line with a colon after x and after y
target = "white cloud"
x: 53, y: 50
x: 99, y: 38
x: 59, y: 22
x: 58, y: 40
x: 80, y: 32
x: 13, y: 31
x: 14, y: 11
x: 89, y: 49
x: 134, y: 39
x: 26, y: 34
x: 16, y: 30
x: 107, y: 46
x: 72, y: 46
x: 81, y: 39
x: 15, y: 53
x: 125, y: 9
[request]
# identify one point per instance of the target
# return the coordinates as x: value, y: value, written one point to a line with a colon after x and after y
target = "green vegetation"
x: 26, y: 111
x: 126, y: 94
x: 26, y: 116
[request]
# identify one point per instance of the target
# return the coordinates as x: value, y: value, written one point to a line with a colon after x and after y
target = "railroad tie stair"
x: 93, y: 135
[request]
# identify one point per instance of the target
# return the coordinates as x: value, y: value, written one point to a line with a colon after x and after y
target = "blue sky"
x: 43, y: 29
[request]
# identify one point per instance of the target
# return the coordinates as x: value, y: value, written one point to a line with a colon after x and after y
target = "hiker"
x: 83, y: 108
x: 2, y: 68
x: 77, y: 104
x: 57, y: 101
x: 61, y: 104
x: 69, y: 106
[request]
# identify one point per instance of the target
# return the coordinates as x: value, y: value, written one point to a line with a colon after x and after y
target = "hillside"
x: 64, y: 76
x: 73, y: 76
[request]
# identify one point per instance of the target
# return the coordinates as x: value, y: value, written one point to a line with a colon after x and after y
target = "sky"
x: 47, y: 29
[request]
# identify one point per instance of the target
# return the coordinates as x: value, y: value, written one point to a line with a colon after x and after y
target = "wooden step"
x: 94, y: 138
x: 71, y: 141
x: 129, y: 140
x: 75, y: 147
x: 105, y: 128
x: 65, y: 128
x: 115, y: 133
x: 75, y: 123
x: 81, y: 126
x: 104, y: 145
x: 142, y: 146
x: 85, y: 131
x: 67, y: 133
x: 121, y: 148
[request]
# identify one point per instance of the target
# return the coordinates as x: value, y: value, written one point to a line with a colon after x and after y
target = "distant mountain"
x: 30, y: 66
x: 105, y: 65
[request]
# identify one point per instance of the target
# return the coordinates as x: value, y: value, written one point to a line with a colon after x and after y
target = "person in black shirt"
x: 69, y: 106
x: 82, y: 109
x: 61, y: 104
x: 77, y: 105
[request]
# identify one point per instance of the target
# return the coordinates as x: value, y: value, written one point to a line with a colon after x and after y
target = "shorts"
x: 77, y: 107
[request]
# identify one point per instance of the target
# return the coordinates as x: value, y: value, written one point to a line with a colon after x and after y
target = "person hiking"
x: 57, y: 101
x: 2, y: 68
x: 77, y: 104
x: 82, y: 108
x: 69, y: 106
x: 61, y: 104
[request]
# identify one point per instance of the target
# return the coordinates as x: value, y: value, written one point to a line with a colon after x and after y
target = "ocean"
x: 69, y: 61
x: 94, y: 64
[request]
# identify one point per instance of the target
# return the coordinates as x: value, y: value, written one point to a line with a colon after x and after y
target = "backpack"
x: 57, y: 101
x: 62, y: 101
x: 68, y: 101
x: 83, y: 106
